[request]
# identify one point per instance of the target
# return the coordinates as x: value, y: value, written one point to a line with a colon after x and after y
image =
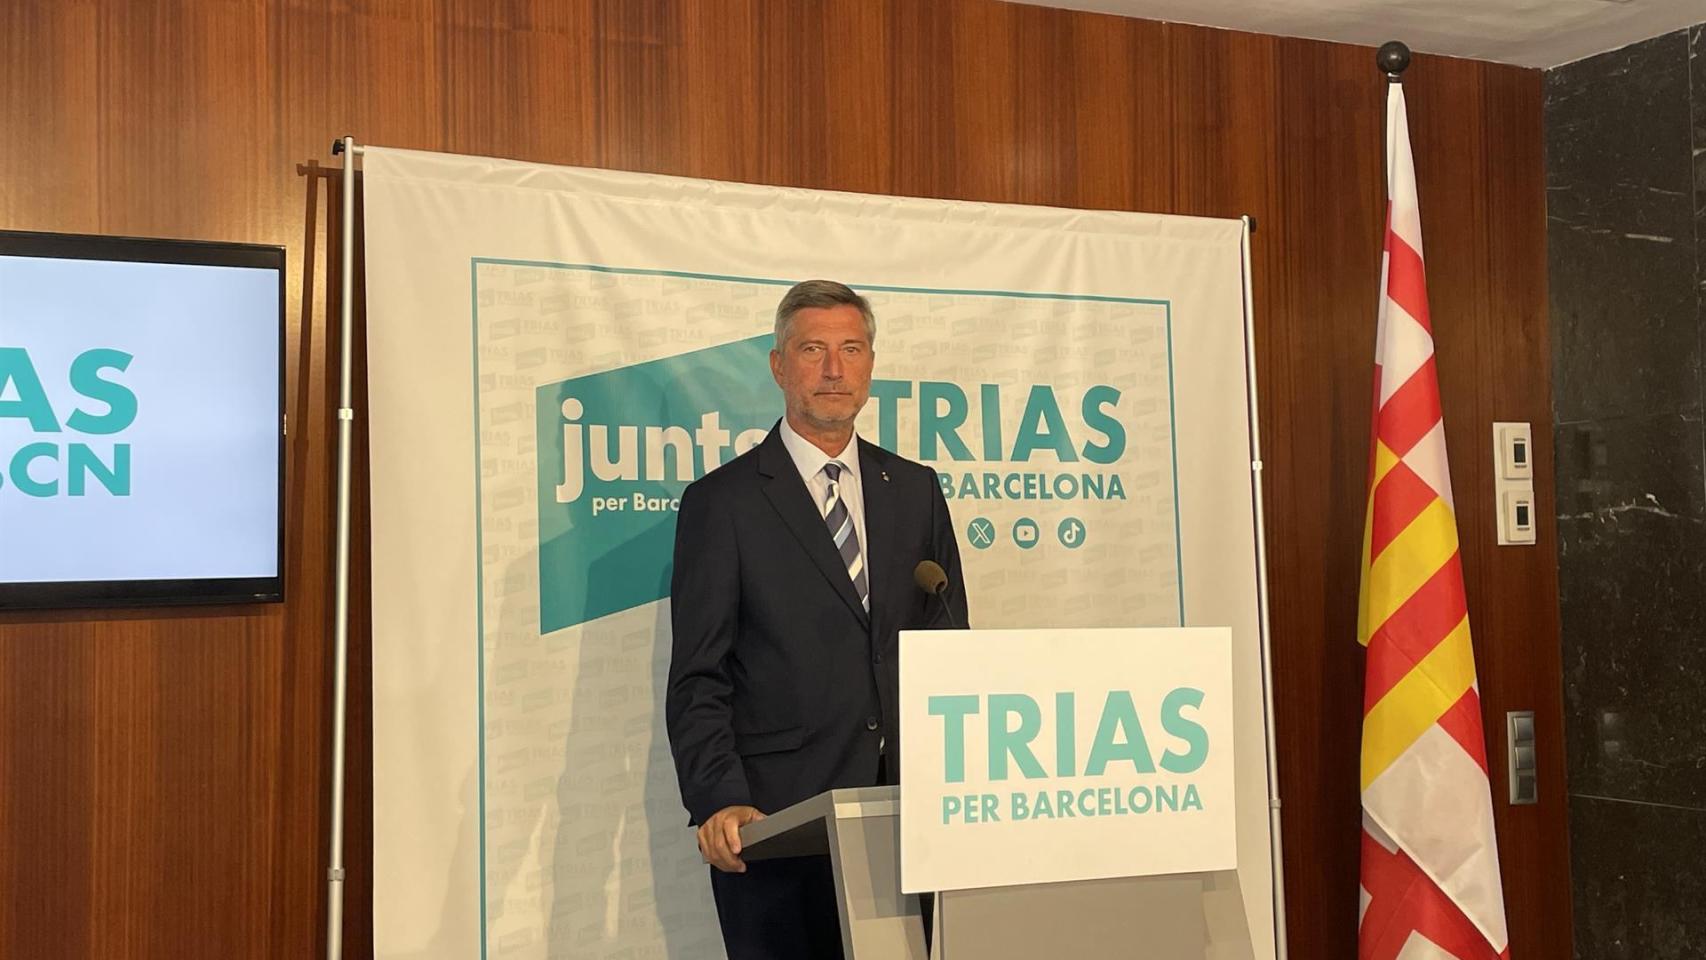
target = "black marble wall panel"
x: 1620, y: 214
x: 1642, y: 901
x: 1632, y: 559
x: 1626, y: 246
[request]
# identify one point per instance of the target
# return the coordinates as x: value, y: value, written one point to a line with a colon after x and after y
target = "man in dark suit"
x: 793, y: 578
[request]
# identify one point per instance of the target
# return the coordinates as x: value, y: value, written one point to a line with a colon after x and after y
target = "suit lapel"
x: 788, y: 494
x: 878, y: 494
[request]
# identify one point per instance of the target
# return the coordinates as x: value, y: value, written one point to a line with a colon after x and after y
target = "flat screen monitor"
x: 141, y: 421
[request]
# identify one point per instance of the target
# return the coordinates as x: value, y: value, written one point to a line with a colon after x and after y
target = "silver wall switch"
x: 1521, y: 762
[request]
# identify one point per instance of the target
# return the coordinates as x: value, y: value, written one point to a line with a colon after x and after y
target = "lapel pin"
x: 885, y: 476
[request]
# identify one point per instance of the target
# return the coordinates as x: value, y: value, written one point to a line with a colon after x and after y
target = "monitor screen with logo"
x: 141, y: 421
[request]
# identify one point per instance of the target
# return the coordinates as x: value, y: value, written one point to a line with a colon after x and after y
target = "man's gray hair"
x: 821, y: 293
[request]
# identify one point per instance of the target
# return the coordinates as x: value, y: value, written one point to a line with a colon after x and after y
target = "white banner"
x: 555, y: 352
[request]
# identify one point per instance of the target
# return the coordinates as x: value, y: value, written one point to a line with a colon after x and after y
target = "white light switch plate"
x: 1513, y: 483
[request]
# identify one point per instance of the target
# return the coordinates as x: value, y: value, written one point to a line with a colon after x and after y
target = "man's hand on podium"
x: 719, y: 837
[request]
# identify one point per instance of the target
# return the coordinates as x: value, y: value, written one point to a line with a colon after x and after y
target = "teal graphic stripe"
x: 474, y: 295
x: 635, y: 272
x: 1173, y: 438
x: 479, y: 592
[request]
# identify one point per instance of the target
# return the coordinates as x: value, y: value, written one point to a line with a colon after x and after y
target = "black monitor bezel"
x: 60, y: 595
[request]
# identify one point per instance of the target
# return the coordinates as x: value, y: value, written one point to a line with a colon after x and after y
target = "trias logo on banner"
x: 67, y: 449
x: 949, y: 430
x: 1054, y: 755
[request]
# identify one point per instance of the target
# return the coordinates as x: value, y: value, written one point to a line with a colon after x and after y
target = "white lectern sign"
x: 1044, y: 756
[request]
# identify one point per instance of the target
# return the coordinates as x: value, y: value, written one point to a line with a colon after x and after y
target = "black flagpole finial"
x: 1393, y: 58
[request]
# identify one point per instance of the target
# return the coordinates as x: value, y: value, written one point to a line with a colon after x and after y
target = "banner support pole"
x: 347, y: 148
x: 1276, y: 851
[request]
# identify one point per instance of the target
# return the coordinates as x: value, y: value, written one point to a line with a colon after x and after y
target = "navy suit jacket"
x: 781, y: 685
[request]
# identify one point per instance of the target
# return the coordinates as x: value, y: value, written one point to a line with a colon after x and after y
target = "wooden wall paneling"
x: 390, y: 78
x: 295, y: 913
x: 1517, y: 647
x: 48, y: 758
x: 979, y: 101
x: 124, y: 802
x: 1122, y: 111
x: 925, y: 148
x: 748, y: 86
x: 184, y: 88
x: 1330, y: 208
x: 519, y: 83
x: 373, y: 70
x: 48, y: 72
x: 641, y: 86
x: 1224, y: 100
x: 1042, y: 160
x: 858, y: 119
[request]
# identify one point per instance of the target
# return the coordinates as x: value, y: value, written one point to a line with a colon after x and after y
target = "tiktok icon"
x: 1071, y: 533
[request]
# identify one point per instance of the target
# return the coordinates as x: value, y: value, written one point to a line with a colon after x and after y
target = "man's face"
x: 824, y: 368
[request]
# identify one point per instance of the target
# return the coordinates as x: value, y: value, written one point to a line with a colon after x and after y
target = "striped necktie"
x: 840, y: 524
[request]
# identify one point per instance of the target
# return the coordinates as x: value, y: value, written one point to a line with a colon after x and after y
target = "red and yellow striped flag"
x: 1430, y: 864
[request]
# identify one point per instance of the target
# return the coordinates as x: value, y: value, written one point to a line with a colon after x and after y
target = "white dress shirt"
x: 809, y: 460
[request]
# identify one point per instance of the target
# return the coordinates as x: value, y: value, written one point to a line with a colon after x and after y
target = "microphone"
x: 933, y: 580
